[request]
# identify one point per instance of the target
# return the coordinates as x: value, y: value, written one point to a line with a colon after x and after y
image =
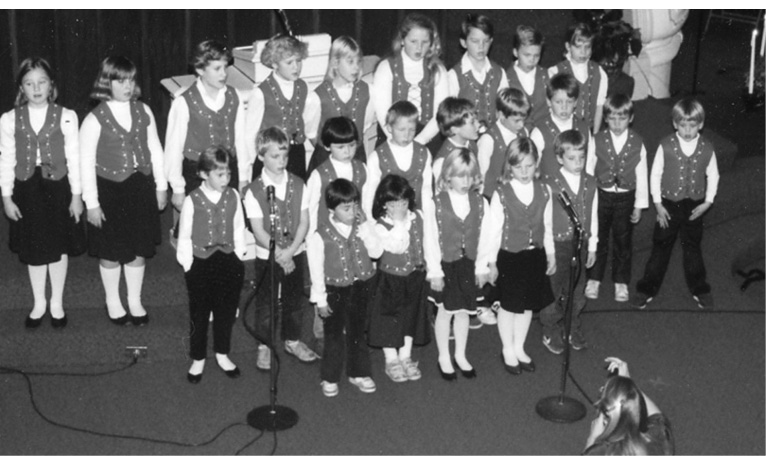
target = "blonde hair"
x: 459, y: 162
x: 432, y: 57
x: 281, y: 47
x: 518, y: 149
x: 269, y: 136
x: 114, y: 68
x: 342, y: 47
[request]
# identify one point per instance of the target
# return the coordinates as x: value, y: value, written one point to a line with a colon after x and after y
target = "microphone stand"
x: 272, y: 417
x: 562, y: 408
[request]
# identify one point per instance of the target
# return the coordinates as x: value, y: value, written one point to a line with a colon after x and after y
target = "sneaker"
x: 395, y: 372
x: 329, y: 389
x: 474, y: 322
x: 365, y: 384
x: 620, y: 292
x: 411, y: 369
x: 301, y: 351
x: 577, y: 340
x: 591, y: 289
x: 554, y: 342
x: 486, y: 316
x: 704, y: 300
x: 263, y: 359
x: 640, y: 301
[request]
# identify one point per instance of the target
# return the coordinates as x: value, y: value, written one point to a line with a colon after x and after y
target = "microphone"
x: 272, y: 203
x: 566, y: 202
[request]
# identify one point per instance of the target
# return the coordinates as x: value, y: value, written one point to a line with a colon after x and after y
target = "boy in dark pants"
x: 683, y: 183
x: 342, y: 275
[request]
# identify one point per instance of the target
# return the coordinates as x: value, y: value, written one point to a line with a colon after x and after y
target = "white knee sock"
x: 441, y: 333
x: 505, y: 323
x: 520, y: 329
x: 111, y: 280
x: 134, y: 278
x: 58, y: 272
x: 37, y: 278
x: 390, y: 354
x: 405, y: 352
x: 460, y: 326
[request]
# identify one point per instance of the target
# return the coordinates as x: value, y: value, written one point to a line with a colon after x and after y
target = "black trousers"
x: 662, y: 248
x: 349, y: 314
x: 614, y: 211
x: 214, y: 285
x: 292, y: 298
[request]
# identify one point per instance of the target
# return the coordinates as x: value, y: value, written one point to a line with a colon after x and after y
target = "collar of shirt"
x: 565, y: 125
x: 344, y: 170
x: 213, y: 195
x: 396, y: 149
x: 343, y: 229
x: 524, y: 192
x: 284, y: 85
x: 461, y: 205
x: 572, y: 179
x: 507, y: 134
x: 688, y: 147
x: 580, y: 70
x: 279, y: 187
x: 466, y: 65
x: 523, y: 73
x: 619, y: 141
x: 456, y: 144
x: 214, y: 103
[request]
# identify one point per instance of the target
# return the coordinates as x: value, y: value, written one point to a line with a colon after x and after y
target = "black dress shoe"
x: 120, y: 321
x: 33, y: 323
x: 193, y: 379
x: 449, y: 377
x: 59, y: 322
x: 468, y: 373
x: 139, y: 321
x: 515, y: 370
x: 234, y: 373
x: 529, y: 367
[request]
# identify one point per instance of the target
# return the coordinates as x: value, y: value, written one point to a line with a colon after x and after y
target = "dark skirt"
x: 398, y: 309
x: 45, y: 230
x: 460, y: 291
x: 522, y: 282
x: 132, y: 225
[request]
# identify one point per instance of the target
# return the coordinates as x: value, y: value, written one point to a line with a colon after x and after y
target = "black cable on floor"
x: 582, y: 391
x: 26, y: 375
x: 249, y: 443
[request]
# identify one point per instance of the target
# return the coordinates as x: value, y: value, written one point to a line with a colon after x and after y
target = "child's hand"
x: 619, y: 365
x: 481, y: 280
x: 282, y: 255
x: 551, y: 261
x: 699, y: 210
x: 591, y: 260
x: 76, y: 208
x: 177, y: 200
x: 96, y: 216
x: 288, y: 266
x: 162, y: 199
x: 11, y: 209
x: 635, y: 217
x: 493, y: 273
x: 324, y: 311
x: 662, y: 215
x: 437, y: 284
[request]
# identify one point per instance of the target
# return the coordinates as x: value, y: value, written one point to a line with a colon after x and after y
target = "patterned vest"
x: 50, y: 142
x: 345, y: 259
x: 288, y: 215
x: 213, y: 224
x: 482, y: 95
x: 524, y: 225
x: 207, y: 127
x: 354, y: 108
x: 120, y: 153
x: 685, y: 177
x: 496, y: 161
x: 400, y: 88
x: 587, y: 101
x: 448, y: 146
x: 405, y: 263
x: 414, y: 175
x: 538, y: 99
x: 613, y: 168
x: 582, y: 202
x: 284, y: 113
x: 327, y: 174
x: 549, y: 130
x: 458, y: 238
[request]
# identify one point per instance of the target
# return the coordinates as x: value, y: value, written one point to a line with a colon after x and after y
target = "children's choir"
x: 451, y: 219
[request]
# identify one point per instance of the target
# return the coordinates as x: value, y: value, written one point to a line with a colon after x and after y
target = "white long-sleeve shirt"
x: 254, y: 119
x: 432, y: 249
x: 90, y: 131
x: 344, y: 170
x: 185, y: 249
x: 642, y: 186
x: 687, y: 148
x: 491, y: 240
x: 480, y: 75
x: 315, y: 254
x: 69, y: 125
x: 178, y: 124
x: 413, y: 74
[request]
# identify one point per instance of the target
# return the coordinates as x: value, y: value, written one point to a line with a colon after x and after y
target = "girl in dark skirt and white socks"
x: 521, y: 250
x: 40, y: 182
x: 124, y: 185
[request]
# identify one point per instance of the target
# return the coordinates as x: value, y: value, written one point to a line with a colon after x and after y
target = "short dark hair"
x: 526, y: 36
x: 477, y: 21
x: 338, y: 130
x: 401, y: 109
x: 453, y: 112
x: 512, y: 102
x: 565, y: 82
x: 572, y: 138
x: 210, y: 50
x: 578, y: 31
x: 393, y: 187
x: 618, y: 102
x: 114, y: 68
x: 341, y: 191
x: 214, y: 157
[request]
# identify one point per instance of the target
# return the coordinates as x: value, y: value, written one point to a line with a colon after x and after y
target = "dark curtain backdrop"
x: 159, y: 41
